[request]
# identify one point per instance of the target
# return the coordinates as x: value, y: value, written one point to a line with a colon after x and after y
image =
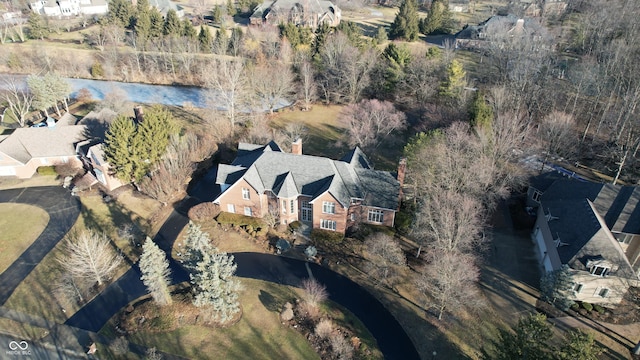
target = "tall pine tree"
x: 205, y: 39
x: 406, y: 24
x: 438, y: 19
x: 119, y: 148
x: 172, y: 25
x: 155, y: 272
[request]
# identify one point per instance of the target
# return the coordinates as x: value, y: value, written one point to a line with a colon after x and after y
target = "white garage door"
x: 7, y: 171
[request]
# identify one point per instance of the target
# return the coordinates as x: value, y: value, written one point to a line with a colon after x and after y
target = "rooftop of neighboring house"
x: 500, y: 25
x: 290, y: 175
x: 582, y: 216
x: 60, y: 139
x: 165, y: 5
x: 318, y: 6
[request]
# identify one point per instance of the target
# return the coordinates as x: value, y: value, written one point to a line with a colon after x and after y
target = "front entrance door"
x: 306, y: 212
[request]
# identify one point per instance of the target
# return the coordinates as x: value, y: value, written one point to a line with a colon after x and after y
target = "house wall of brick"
x: 233, y: 195
x: 284, y: 210
x: 340, y: 216
x: 27, y: 170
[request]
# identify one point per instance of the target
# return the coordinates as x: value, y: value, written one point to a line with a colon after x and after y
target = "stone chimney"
x: 402, y: 170
x: 139, y: 114
x: 296, y: 147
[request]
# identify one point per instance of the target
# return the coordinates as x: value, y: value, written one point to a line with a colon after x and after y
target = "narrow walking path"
x: 63, y: 210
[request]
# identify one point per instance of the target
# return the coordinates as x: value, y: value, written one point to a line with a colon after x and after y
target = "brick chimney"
x: 139, y: 114
x: 296, y: 147
x: 402, y: 170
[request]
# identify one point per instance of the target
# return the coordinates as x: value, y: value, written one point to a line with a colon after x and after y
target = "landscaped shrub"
x: 204, y: 211
x: 226, y: 218
x: 67, y: 169
x: 295, y: 225
x: 598, y: 308
x: 575, y: 306
x: 96, y: 70
x: 587, y: 306
x: 320, y: 236
x: 324, y: 328
x: 46, y: 170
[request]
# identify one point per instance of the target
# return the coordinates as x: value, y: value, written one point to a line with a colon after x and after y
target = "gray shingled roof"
x: 27, y: 143
x: 357, y: 158
x: 288, y: 175
x: 618, y: 205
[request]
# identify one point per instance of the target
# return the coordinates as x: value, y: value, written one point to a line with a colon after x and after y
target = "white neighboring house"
x: 70, y: 7
x: 595, y: 230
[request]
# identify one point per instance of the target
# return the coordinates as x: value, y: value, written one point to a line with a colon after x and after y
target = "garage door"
x: 7, y: 171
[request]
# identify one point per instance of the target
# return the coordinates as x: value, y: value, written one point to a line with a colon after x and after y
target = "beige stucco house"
x: 324, y: 193
x: 595, y: 230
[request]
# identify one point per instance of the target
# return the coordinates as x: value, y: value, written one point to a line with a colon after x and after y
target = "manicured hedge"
x: 47, y: 170
x: 320, y: 236
x: 226, y: 218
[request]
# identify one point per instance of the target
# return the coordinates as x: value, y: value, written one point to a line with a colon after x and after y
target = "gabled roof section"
x: 286, y: 188
x: 357, y: 158
x: 229, y: 174
x: 289, y: 175
x: 27, y: 143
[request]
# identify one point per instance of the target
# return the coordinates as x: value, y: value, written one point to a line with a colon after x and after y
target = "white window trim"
x: 328, y: 204
x: 231, y: 208
x: 248, y: 211
x: 292, y: 207
x: 246, y: 194
x: 328, y: 224
x: 595, y: 268
x: 375, y: 216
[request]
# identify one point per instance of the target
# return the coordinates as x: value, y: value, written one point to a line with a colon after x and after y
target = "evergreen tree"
x: 142, y: 26
x: 196, y: 242
x: 452, y: 86
x: 438, y: 19
x: 43, y: 96
x: 529, y: 341
x: 118, y: 147
x: 235, y: 41
x: 172, y: 25
x: 214, y: 285
x: 142, y: 6
x: 205, y: 39
x: 216, y: 16
x: 221, y: 43
x: 120, y: 13
x: 37, y: 27
x: 580, y: 345
x: 555, y: 285
x: 188, y: 30
x: 405, y: 25
x: 381, y: 35
x: 154, y: 267
x: 231, y: 8
x: 322, y: 32
x: 481, y: 113
x: 157, y: 23
x: 154, y: 133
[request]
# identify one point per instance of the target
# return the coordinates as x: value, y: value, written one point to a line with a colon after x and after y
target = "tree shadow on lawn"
x: 275, y: 302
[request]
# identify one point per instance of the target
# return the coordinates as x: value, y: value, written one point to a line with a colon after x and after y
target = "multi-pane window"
x: 245, y: 194
x: 328, y: 224
x: 375, y: 216
x: 284, y: 206
x: 231, y: 208
x: 247, y: 211
x: 599, y: 270
x: 603, y: 292
x: 577, y: 288
x: 291, y: 208
x: 328, y: 207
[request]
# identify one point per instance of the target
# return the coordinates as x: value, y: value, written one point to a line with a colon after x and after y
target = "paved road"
x: 392, y: 339
x: 63, y: 210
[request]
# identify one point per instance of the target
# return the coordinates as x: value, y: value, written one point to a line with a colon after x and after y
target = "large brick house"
x: 324, y: 193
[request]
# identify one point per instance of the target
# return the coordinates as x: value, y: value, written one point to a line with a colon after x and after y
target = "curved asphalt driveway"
x: 63, y: 210
x: 391, y: 337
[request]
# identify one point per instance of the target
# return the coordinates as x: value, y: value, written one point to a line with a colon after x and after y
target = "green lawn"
x: 258, y: 335
x: 21, y: 224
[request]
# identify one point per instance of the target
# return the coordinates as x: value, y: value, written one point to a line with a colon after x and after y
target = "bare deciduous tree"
x: 90, y: 258
x: 308, y: 89
x: 272, y: 84
x: 385, y: 256
x: 450, y: 280
x: 371, y: 121
x: 227, y: 84
x: 557, y: 130
x: 19, y: 100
